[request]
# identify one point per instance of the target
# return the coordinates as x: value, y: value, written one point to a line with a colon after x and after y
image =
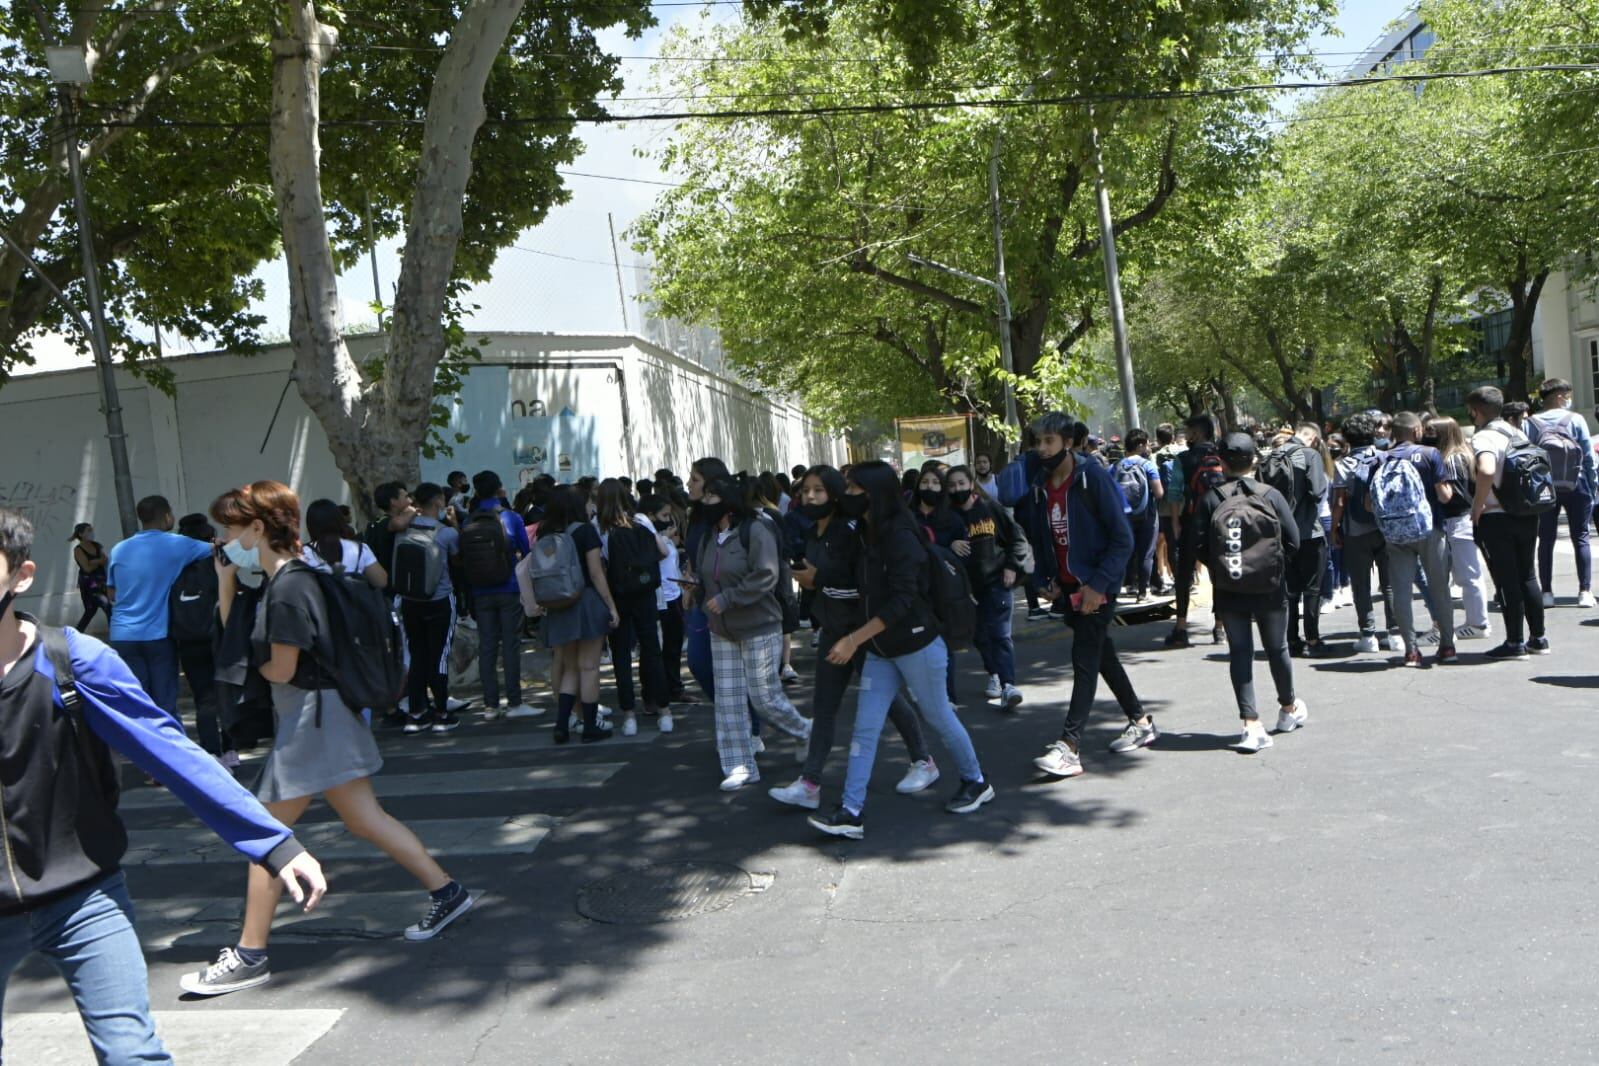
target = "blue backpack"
x: 1399, y: 501
x: 1358, y: 489
x: 1134, y: 482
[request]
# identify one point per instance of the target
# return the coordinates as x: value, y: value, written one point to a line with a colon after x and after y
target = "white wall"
x: 208, y: 437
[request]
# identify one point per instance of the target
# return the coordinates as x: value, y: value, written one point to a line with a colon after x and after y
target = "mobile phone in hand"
x: 1077, y: 601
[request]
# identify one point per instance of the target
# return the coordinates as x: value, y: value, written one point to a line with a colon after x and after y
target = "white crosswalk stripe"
x: 259, y: 1037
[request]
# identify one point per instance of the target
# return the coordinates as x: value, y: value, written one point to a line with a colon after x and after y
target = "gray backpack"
x: 418, y: 563
x: 555, y: 570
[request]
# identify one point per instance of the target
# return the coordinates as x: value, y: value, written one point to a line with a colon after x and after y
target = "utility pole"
x: 110, y: 402
x: 1007, y: 358
x: 1113, y: 287
x: 372, y: 250
x: 621, y: 293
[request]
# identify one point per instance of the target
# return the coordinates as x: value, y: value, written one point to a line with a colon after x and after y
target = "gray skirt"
x: 308, y: 759
x: 584, y: 620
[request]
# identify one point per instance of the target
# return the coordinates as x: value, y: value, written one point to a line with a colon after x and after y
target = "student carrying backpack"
x: 555, y: 573
x: 1244, y: 534
x: 951, y: 592
x: 419, y: 562
x: 1557, y: 436
x: 1134, y: 483
x: 486, y: 556
x: 1209, y: 473
x: 1399, y: 501
x: 1528, y: 487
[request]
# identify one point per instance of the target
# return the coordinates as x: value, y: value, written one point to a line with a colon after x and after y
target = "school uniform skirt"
x: 309, y: 758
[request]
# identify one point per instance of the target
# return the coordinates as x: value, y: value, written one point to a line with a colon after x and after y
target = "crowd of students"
x: 290, y: 624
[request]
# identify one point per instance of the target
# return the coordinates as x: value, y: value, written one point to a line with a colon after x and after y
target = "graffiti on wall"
x: 50, y: 508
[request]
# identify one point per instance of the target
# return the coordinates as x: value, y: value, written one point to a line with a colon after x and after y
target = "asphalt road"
x: 1407, y: 880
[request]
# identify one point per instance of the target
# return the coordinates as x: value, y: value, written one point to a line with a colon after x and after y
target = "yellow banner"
x: 947, y: 438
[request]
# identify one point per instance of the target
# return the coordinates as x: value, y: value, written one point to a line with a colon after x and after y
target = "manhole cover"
x: 667, y: 892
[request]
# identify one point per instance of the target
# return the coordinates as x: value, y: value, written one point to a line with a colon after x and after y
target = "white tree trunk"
x: 376, y: 430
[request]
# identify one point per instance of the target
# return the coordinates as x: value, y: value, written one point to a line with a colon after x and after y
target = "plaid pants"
x: 746, y: 674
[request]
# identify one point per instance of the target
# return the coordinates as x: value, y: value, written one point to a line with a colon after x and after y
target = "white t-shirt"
x: 1492, y: 439
x: 355, y: 557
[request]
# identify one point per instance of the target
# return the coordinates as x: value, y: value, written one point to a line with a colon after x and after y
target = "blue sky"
x: 532, y: 291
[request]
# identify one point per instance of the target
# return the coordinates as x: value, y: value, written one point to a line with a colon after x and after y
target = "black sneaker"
x: 1038, y: 614
x: 445, y: 723
x: 841, y: 823
x: 1178, y: 638
x: 415, y: 724
x: 1538, y: 645
x: 229, y: 973
x: 1296, y: 649
x: 970, y: 796
x: 1508, y: 651
x: 441, y: 912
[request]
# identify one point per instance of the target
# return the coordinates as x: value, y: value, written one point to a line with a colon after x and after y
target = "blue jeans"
x: 1578, y: 506
x: 1141, y: 564
x: 155, y: 664
x: 697, y: 631
x: 89, y: 936
x: 922, y: 672
x: 993, y: 632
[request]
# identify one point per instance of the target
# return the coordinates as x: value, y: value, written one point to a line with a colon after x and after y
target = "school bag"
x: 1134, y: 482
x: 486, y: 559
x: 556, y: 572
x: 1246, y: 547
x: 1558, y: 439
x: 361, y: 649
x: 418, y: 563
x: 1208, y: 475
x: 96, y: 761
x: 633, y: 561
x: 192, y: 603
x: 1358, y: 489
x: 784, y: 592
x: 1281, y: 472
x: 953, y: 602
x: 1528, y: 486
x: 1399, y: 501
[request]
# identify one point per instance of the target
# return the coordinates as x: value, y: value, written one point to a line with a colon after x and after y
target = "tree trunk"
x: 1425, y: 350
x: 375, y: 429
x: 1524, y: 293
x: 1229, y: 400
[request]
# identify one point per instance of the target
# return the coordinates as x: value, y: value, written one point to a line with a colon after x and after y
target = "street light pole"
x: 1005, y: 353
x: 110, y: 402
x: 1113, y: 287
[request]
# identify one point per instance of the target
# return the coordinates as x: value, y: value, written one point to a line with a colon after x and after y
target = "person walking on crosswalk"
x: 322, y: 746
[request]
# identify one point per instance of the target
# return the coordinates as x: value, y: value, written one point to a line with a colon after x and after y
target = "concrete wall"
x: 573, y: 405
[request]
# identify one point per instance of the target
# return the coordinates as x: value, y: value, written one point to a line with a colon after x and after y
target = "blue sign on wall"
x: 516, y: 445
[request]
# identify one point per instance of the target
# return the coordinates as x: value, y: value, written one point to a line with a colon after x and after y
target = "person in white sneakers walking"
x: 1247, y: 534
x: 1563, y: 435
x: 1465, y: 559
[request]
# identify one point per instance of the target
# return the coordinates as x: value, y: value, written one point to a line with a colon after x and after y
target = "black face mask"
x: 714, y: 512
x: 1054, y: 460
x: 960, y: 496
x: 854, y: 506
x: 816, y: 511
x: 930, y: 496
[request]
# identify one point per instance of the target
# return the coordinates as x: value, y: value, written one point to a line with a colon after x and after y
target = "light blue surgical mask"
x: 241, y: 557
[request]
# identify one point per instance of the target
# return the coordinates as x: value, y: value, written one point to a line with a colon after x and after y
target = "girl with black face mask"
x: 944, y: 528
x: 996, y: 556
x: 831, y: 570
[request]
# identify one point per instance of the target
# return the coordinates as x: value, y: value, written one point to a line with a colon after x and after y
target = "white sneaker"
x: 1292, y: 718
x: 1585, y: 598
x: 454, y: 705
x: 799, y: 794
x: 1470, y: 632
x: 994, y: 687
x: 605, y: 656
x: 1367, y: 643
x: 1250, y: 742
x: 919, y: 776
x: 630, y: 725
x: 757, y: 745
x: 1549, y: 599
x: 664, y: 723
x: 741, y: 776
x: 404, y: 705
x: 1324, y: 607
x: 522, y: 710
x: 1011, y: 697
x: 788, y: 675
x: 1059, y: 760
x: 1429, y: 639
x: 1385, y: 642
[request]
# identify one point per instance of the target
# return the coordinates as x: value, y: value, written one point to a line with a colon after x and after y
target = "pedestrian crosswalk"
x: 259, y: 1037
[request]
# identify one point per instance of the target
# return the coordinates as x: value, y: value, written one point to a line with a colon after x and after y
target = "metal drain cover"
x: 665, y: 892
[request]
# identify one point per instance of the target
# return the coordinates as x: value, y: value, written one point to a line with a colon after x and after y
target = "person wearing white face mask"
x: 140, y: 576
x: 1563, y: 435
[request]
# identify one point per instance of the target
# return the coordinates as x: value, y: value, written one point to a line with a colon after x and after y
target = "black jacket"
x: 835, y: 555
x: 997, y: 544
x: 896, y: 582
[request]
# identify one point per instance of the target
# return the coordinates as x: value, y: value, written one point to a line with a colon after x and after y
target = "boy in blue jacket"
x: 66, y: 701
x: 1073, y: 514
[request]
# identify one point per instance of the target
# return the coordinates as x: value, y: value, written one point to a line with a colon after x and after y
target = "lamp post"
x: 1004, y: 322
x: 1113, y: 288
x: 70, y: 66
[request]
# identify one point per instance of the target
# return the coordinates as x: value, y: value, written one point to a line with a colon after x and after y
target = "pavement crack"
x: 499, y: 1019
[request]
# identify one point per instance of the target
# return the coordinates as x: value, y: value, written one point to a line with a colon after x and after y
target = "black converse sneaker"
x: 230, y: 973
x: 441, y: 912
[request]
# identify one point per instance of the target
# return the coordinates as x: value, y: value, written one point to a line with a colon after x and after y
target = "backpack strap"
x: 56, y: 650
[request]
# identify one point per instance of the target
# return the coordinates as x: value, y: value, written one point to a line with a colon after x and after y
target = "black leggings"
x: 1304, y: 588
x: 1186, y: 566
x: 94, y: 601
x: 672, y: 646
x: 1510, y: 542
x: 429, y: 625
x: 1241, y: 655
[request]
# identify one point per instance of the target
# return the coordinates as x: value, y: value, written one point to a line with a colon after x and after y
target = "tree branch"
x: 153, y: 84
x: 862, y: 265
x: 1164, y: 188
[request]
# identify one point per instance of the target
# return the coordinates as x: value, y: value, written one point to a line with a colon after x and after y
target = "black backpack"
x: 361, y: 649
x: 1281, y: 472
x: 1209, y: 473
x: 486, y: 551
x: 192, y: 603
x: 1246, y: 546
x: 784, y: 592
x: 1528, y: 485
x: 632, y: 561
x: 953, y: 602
